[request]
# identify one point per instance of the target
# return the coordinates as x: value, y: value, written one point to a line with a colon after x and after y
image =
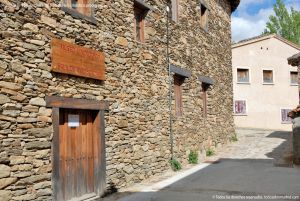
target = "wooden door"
x: 79, y: 151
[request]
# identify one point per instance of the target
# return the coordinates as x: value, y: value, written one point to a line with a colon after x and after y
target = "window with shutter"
x: 80, y: 9
x: 203, y: 15
x: 139, y: 16
x: 268, y: 77
x: 243, y: 75
x: 205, y: 87
x: 140, y: 12
x: 294, y: 77
x: 178, y: 81
x: 240, y: 107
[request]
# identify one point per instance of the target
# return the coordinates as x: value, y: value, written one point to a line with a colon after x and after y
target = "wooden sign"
x: 76, y: 60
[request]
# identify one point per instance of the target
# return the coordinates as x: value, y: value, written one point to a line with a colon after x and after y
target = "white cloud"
x: 246, y: 25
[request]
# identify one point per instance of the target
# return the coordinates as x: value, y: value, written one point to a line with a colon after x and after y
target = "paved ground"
x: 257, y: 167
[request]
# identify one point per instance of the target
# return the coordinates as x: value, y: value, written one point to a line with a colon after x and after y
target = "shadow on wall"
x: 230, y: 179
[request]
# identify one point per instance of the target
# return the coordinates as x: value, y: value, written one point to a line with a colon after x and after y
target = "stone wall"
x: 137, y: 125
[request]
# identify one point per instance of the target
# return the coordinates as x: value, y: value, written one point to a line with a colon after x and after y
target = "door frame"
x: 57, y: 103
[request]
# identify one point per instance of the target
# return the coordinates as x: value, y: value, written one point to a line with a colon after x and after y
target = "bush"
x: 193, y: 157
x: 209, y: 152
x: 234, y: 138
x: 175, y: 165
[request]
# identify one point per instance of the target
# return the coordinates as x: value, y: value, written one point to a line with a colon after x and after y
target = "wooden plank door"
x: 79, y: 150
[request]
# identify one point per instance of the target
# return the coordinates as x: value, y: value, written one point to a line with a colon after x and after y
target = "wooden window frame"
x: 204, y: 14
x: 263, y: 77
x: 240, y: 114
x: 289, y: 120
x: 57, y: 103
x: 141, y: 9
x: 204, y: 90
x: 139, y: 19
x: 86, y: 13
x: 178, y: 81
x: 237, y: 76
x: 291, y: 78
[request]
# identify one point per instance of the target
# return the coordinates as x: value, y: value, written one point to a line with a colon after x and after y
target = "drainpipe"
x: 170, y: 85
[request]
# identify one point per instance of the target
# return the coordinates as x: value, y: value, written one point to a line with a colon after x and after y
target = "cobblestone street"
x: 258, y: 165
x: 259, y: 144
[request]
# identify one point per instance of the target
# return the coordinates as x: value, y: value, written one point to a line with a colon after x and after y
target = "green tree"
x: 284, y: 23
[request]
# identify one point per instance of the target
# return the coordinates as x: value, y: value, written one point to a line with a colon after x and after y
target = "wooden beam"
x: 72, y: 103
x: 56, y: 184
x: 103, y: 154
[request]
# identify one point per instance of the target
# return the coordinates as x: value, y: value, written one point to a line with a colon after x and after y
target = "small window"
x: 203, y: 16
x: 240, y: 107
x: 268, y: 77
x: 139, y: 25
x: 178, y: 81
x: 173, y: 10
x: 294, y: 78
x: 83, y: 7
x: 205, y: 87
x: 284, y: 116
x: 74, y: 4
x: 139, y: 16
x: 140, y: 12
x: 243, y: 75
x: 79, y: 9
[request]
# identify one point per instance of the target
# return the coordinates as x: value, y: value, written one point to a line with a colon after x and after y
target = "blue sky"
x: 251, y: 16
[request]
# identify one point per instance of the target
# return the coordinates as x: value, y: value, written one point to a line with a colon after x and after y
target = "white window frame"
x: 262, y: 75
x: 293, y: 84
x: 284, y: 122
x: 246, y: 114
x: 243, y: 68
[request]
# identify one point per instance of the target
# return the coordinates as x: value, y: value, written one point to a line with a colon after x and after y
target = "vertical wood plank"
x: 72, y: 154
x: 204, y: 99
x: 178, y: 81
x: 84, y: 155
x: 96, y: 144
x: 102, y: 177
x: 69, y: 190
x: 56, y: 182
x: 90, y: 154
x: 63, y: 152
x: 79, y: 147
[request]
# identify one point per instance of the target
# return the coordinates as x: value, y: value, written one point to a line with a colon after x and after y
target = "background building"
x: 75, y: 121
x: 265, y: 85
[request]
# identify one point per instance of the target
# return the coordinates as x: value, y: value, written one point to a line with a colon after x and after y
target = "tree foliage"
x: 284, y: 23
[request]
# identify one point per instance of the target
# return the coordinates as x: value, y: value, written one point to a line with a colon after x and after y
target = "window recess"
x: 204, y: 11
x: 179, y: 77
x: 294, y: 77
x: 268, y: 77
x: 82, y: 9
x: 243, y: 75
x: 140, y: 12
x: 206, y: 82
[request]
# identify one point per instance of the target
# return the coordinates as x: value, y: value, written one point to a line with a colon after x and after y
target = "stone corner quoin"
x: 136, y: 86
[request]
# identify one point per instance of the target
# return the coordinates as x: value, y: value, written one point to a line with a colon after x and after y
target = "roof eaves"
x: 252, y: 40
x: 288, y: 42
